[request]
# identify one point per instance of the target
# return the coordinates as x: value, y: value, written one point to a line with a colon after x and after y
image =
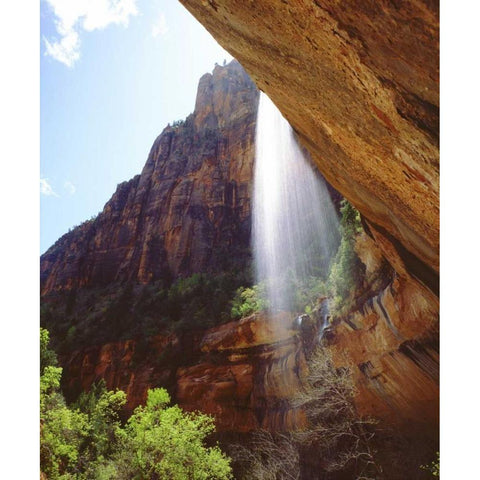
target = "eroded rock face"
x: 392, y: 341
x: 189, y: 210
x: 358, y: 81
x: 246, y: 372
x: 243, y: 372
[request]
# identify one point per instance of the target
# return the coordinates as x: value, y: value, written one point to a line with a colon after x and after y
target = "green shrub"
x: 248, y: 301
x: 346, y: 271
x: 308, y: 292
x: 47, y: 357
x: 159, y: 441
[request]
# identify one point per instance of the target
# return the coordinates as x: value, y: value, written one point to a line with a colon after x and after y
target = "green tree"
x: 47, y: 356
x: 165, y: 442
x: 247, y: 301
x: 62, y: 431
x: 102, y: 408
x: 346, y: 271
x: 87, y: 440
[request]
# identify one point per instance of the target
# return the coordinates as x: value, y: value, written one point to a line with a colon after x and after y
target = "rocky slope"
x: 358, y: 80
x: 188, y: 211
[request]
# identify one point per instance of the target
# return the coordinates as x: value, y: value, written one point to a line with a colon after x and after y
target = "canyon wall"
x: 390, y: 341
x: 243, y: 372
x: 188, y: 211
x: 359, y: 82
x: 246, y: 372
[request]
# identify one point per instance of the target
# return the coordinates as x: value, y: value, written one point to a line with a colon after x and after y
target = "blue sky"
x: 111, y: 80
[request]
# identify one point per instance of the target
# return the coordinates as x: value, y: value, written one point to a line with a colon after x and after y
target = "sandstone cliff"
x: 242, y: 372
x: 358, y: 80
x: 188, y: 211
x: 391, y: 338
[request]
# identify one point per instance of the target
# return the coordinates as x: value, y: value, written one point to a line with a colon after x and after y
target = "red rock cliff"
x: 243, y: 372
x: 189, y: 209
x: 359, y: 83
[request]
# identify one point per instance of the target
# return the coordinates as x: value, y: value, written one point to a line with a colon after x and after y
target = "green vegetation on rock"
x: 346, y: 270
x: 100, y: 315
x: 434, y: 467
x: 248, y: 301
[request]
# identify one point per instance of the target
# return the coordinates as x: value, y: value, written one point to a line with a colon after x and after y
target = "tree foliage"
x: 248, y: 301
x: 62, y: 430
x: 346, y: 271
x: 47, y: 357
x: 337, y: 279
x: 134, y: 311
x: 159, y: 441
x: 433, y: 467
x: 87, y: 439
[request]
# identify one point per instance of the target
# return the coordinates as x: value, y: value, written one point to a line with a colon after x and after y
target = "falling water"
x: 294, y: 223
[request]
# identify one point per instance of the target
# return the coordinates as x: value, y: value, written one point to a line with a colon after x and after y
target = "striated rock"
x: 358, y: 81
x: 389, y: 340
x: 243, y: 372
x: 124, y: 365
x: 391, y: 344
x: 189, y: 210
x: 246, y: 372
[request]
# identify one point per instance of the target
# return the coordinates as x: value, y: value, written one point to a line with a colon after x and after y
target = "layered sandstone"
x: 358, y: 81
x: 393, y: 344
x: 389, y: 340
x: 243, y: 373
x: 188, y: 211
x: 246, y: 372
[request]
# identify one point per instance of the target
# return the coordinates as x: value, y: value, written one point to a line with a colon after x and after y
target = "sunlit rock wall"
x: 189, y: 210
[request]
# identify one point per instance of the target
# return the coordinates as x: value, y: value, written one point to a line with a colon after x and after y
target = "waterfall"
x: 295, y: 227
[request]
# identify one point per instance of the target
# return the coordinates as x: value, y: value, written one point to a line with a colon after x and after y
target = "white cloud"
x: 72, y: 16
x: 160, y: 27
x: 69, y: 187
x: 46, y: 188
x: 67, y: 50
